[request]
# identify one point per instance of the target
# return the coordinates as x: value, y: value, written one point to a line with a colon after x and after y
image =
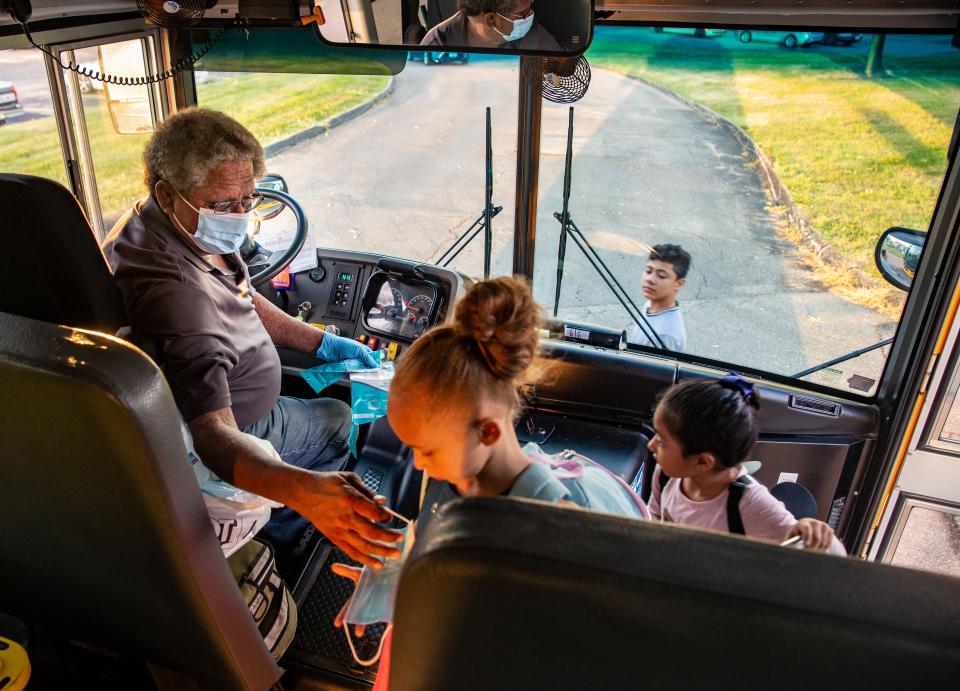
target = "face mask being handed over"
x: 218, y: 233
x: 521, y: 27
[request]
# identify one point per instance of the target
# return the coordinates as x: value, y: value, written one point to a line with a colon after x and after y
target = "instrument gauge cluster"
x: 399, y: 306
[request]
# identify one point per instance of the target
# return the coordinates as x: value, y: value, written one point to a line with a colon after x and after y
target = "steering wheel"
x: 262, y: 263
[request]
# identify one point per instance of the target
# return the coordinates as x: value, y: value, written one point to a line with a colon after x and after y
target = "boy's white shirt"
x: 668, y: 324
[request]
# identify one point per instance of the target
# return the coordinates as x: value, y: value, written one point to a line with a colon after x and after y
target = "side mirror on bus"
x: 898, y: 254
x: 558, y: 27
x: 270, y: 208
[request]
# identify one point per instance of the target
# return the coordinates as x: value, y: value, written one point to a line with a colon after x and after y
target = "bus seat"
x: 511, y: 594
x: 52, y: 268
x: 104, y: 537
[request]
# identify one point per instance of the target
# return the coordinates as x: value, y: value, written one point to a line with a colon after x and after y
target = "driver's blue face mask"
x: 521, y: 27
x: 218, y: 233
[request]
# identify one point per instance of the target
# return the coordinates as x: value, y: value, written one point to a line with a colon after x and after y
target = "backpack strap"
x: 734, y: 494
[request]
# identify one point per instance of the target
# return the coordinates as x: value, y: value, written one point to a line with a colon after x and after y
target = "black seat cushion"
x: 51, y: 267
x: 512, y: 594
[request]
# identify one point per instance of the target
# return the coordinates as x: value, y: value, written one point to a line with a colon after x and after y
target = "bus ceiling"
x: 924, y: 15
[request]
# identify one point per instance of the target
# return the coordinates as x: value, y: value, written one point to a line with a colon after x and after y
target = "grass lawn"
x: 272, y: 106
x: 857, y: 155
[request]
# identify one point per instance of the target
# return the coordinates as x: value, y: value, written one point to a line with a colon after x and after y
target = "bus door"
x: 104, y: 126
x: 919, y: 521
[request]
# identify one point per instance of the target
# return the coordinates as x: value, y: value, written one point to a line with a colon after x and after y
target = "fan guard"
x: 174, y: 14
x: 560, y: 80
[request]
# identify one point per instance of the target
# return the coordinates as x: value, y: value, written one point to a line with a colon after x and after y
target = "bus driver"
x: 187, y: 294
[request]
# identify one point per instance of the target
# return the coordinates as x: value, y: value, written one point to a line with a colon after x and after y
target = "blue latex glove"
x: 337, y: 348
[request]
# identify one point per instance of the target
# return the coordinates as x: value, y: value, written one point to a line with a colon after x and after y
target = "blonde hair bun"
x: 504, y: 320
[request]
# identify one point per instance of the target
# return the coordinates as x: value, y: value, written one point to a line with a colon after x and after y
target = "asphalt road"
x: 25, y: 69
x: 407, y: 178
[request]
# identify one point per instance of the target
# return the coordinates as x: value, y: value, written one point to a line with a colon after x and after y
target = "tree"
x: 875, y: 55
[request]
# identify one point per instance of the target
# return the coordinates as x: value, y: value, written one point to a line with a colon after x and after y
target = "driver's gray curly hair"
x: 474, y: 7
x: 192, y: 142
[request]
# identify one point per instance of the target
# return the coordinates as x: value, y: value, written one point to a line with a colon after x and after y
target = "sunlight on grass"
x: 857, y: 155
x: 272, y: 106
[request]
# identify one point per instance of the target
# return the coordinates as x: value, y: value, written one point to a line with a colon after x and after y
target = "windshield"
x: 757, y: 168
x: 775, y: 160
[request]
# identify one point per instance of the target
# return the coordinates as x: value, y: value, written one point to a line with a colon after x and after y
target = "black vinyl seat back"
x: 104, y: 536
x: 508, y: 594
x: 51, y: 267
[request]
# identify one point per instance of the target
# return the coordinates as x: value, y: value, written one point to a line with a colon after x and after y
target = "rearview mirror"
x: 128, y: 104
x: 898, y: 255
x: 510, y: 27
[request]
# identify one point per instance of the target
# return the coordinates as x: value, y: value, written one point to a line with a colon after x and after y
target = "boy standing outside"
x: 665, y: 275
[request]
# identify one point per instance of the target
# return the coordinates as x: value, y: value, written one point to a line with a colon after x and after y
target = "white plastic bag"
x: 236, y: 515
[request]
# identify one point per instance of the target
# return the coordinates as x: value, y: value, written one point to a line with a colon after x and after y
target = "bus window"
x: 29, y: 139
x: 404, y: 178
x: 776, y: 169
x: 112, y: 123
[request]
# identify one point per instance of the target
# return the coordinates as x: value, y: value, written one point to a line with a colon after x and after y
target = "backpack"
x: 265, y: 594
x: 588, y: 483
x: 736, y: 488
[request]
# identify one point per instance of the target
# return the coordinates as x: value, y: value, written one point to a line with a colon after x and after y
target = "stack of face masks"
x: 369, y: 388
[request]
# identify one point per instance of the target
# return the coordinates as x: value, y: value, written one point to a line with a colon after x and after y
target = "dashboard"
x: 383, y: 302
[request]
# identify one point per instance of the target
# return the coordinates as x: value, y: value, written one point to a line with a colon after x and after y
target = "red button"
x: 373, y: 342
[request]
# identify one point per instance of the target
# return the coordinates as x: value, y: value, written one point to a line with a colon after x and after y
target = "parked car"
x: 788, y: 39
x: 832, y: 38
x: 699, y: 32
x: 9, y: 101
x: 433, y: 57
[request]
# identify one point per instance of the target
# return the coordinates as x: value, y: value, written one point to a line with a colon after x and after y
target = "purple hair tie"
x: 735, y: 382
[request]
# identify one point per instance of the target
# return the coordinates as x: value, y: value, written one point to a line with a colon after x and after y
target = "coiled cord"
x: 182, y: 65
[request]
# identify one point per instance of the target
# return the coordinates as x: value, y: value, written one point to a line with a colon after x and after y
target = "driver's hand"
x: 815, y: 534
x: 346, y: 512
x: 337, y: 348
x: 353, y: 573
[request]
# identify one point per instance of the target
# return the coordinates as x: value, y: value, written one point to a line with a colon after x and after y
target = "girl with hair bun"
x: 454, y: 401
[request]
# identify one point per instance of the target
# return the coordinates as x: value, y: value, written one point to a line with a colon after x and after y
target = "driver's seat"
x: 52, y: 268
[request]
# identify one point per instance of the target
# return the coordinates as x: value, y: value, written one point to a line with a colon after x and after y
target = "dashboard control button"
x: 373, y: 342
x: 362, y: 338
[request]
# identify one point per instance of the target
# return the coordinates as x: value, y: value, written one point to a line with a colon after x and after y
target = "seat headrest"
x: 104, y: 535
x: 52, y: 268
x: 509, y: 594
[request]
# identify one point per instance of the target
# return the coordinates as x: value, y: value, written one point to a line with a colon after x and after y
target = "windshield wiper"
x: 569, y: 228
x: 842, y: 358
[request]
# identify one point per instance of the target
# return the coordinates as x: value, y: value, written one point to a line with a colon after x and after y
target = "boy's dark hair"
x: 674, y: 255
x: 710, y: 416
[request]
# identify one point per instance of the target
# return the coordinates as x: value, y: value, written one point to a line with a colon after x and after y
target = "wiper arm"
x: 842, y: 358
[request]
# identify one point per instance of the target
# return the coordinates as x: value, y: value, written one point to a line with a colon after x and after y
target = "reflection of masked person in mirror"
x: 492, y: 24
x: 187, y: 292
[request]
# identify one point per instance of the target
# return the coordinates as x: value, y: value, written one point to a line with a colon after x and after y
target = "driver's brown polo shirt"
x: 208, y: 339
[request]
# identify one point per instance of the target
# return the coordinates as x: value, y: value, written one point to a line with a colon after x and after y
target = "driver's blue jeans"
x: 308, y: 433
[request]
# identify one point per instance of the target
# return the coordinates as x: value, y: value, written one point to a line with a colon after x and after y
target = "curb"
x: 337, y: 120
x: 810, y: 237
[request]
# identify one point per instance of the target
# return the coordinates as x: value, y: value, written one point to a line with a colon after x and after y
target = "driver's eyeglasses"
x: 228, y: 205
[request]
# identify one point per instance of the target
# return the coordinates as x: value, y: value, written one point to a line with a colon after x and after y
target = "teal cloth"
x: 368, y: 403
x: 322, y: 376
